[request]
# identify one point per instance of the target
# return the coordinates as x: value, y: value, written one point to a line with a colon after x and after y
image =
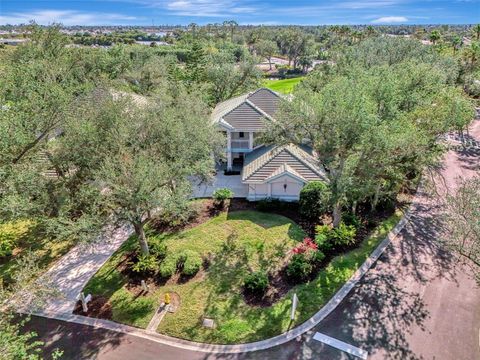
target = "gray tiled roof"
x: 269, y: 161
x: 245, y: 117
x: 266, y: 100
x: 249, y: 111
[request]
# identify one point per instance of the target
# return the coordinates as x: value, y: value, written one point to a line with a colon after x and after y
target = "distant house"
x: 149, y: 43
x: 273, y: 171
x: 13, y: 41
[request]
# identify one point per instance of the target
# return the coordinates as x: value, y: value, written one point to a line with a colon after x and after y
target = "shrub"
x: 176, y: 217
x: 314, y: 200
x: 327, y: 238
x: 158, y: 249
x: 269, y: 204
x: 168, y: 267
x: 10, y: 233
x: 256, y: 282
x: 145, y: 263
x: 221, y: 195
x: 351, y: 219
x: 299, y: 267
x: 317, y: 256
x: 191, y: 262
x: 344, y: 234
x: 7, y: 244
x: 305, y: 246
x: 323, y: 238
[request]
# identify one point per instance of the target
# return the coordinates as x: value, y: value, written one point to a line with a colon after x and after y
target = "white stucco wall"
x: 286, y: 186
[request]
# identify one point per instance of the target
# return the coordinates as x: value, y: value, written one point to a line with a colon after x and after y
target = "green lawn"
x: 285, y: 86
x: 29, y: 238
x: 259, y: 240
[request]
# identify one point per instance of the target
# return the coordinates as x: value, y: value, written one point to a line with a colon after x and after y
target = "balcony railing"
x: 239, y: 145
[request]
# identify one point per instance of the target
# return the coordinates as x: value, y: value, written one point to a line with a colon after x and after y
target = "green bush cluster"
x: 303, y: 264
x: 314, y: 200
x: 256, y: 282
x: 222, y: 195
x: 10, y: 233
x: 176, y: 217
x: 159, y: 250
x: 328, y: 238
x: 270, y: 204
x: 168, y: 267
x: 192, y: 262
x: 352, y: 219
x: 188, y: 260
x: 299, y: 267
x: 145, y: 264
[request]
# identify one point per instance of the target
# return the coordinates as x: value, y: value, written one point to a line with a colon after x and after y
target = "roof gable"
x: 287, y: 170
x: 265, y: 163
x: 266, y: 100
x: 245, y: 116
x: 248, y: 111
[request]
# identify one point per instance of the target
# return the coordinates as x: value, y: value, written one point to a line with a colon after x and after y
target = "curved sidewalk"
x: 71, y: 280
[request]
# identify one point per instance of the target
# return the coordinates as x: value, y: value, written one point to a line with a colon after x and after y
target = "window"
x: 241, y: 134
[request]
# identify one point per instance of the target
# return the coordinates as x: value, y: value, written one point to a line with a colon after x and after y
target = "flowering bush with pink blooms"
x: 306, y: 245
x: 305, y: 256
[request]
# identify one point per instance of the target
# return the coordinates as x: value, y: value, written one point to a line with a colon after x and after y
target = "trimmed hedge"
x: 314, y: 200
x: 188, y: 260
x: 192, y: 262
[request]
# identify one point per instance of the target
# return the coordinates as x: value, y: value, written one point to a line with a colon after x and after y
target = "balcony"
x: 239, y: 146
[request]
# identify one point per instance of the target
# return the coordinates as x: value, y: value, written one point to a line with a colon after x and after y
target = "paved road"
x: 416, y: 302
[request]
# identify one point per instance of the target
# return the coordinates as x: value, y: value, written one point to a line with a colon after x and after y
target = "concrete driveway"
x: 233, y: 182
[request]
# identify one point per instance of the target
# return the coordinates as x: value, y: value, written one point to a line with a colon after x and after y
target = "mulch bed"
x: 280, y: 284
x: 98, y: 307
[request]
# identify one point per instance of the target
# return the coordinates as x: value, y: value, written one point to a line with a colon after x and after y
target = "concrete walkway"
x: 232, y: 182
x: 71, y: 273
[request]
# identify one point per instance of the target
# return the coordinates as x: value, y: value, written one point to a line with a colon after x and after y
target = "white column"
x: 250, y: 140
x: 229, y: 150
x: 269, y: 191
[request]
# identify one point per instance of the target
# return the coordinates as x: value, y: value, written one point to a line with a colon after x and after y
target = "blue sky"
x: 304, y: 12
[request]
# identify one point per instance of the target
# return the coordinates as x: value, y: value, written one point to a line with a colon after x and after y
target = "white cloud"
x: 206, y: 8
x: 390, y: 20
x: 66, y: 17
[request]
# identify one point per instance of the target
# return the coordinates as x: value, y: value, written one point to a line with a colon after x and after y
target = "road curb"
x: 254, y: 346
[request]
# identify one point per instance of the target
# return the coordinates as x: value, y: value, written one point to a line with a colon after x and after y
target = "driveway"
x: 416, y: 302
x: 233, y: 182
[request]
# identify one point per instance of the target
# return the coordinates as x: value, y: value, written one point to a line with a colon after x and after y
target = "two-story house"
x: 273, y: 171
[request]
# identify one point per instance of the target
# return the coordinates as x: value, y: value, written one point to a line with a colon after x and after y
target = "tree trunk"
x: 376, y: 196
x: 142, y: 239
x: 270, y: 63
x: 337, y: 214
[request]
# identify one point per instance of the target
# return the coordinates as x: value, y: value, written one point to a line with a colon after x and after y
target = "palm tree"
x: 456, y: 43
x: 434, y: 36
x: 370, y: 30
x: 476, y: 31
x: 472, y: 53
